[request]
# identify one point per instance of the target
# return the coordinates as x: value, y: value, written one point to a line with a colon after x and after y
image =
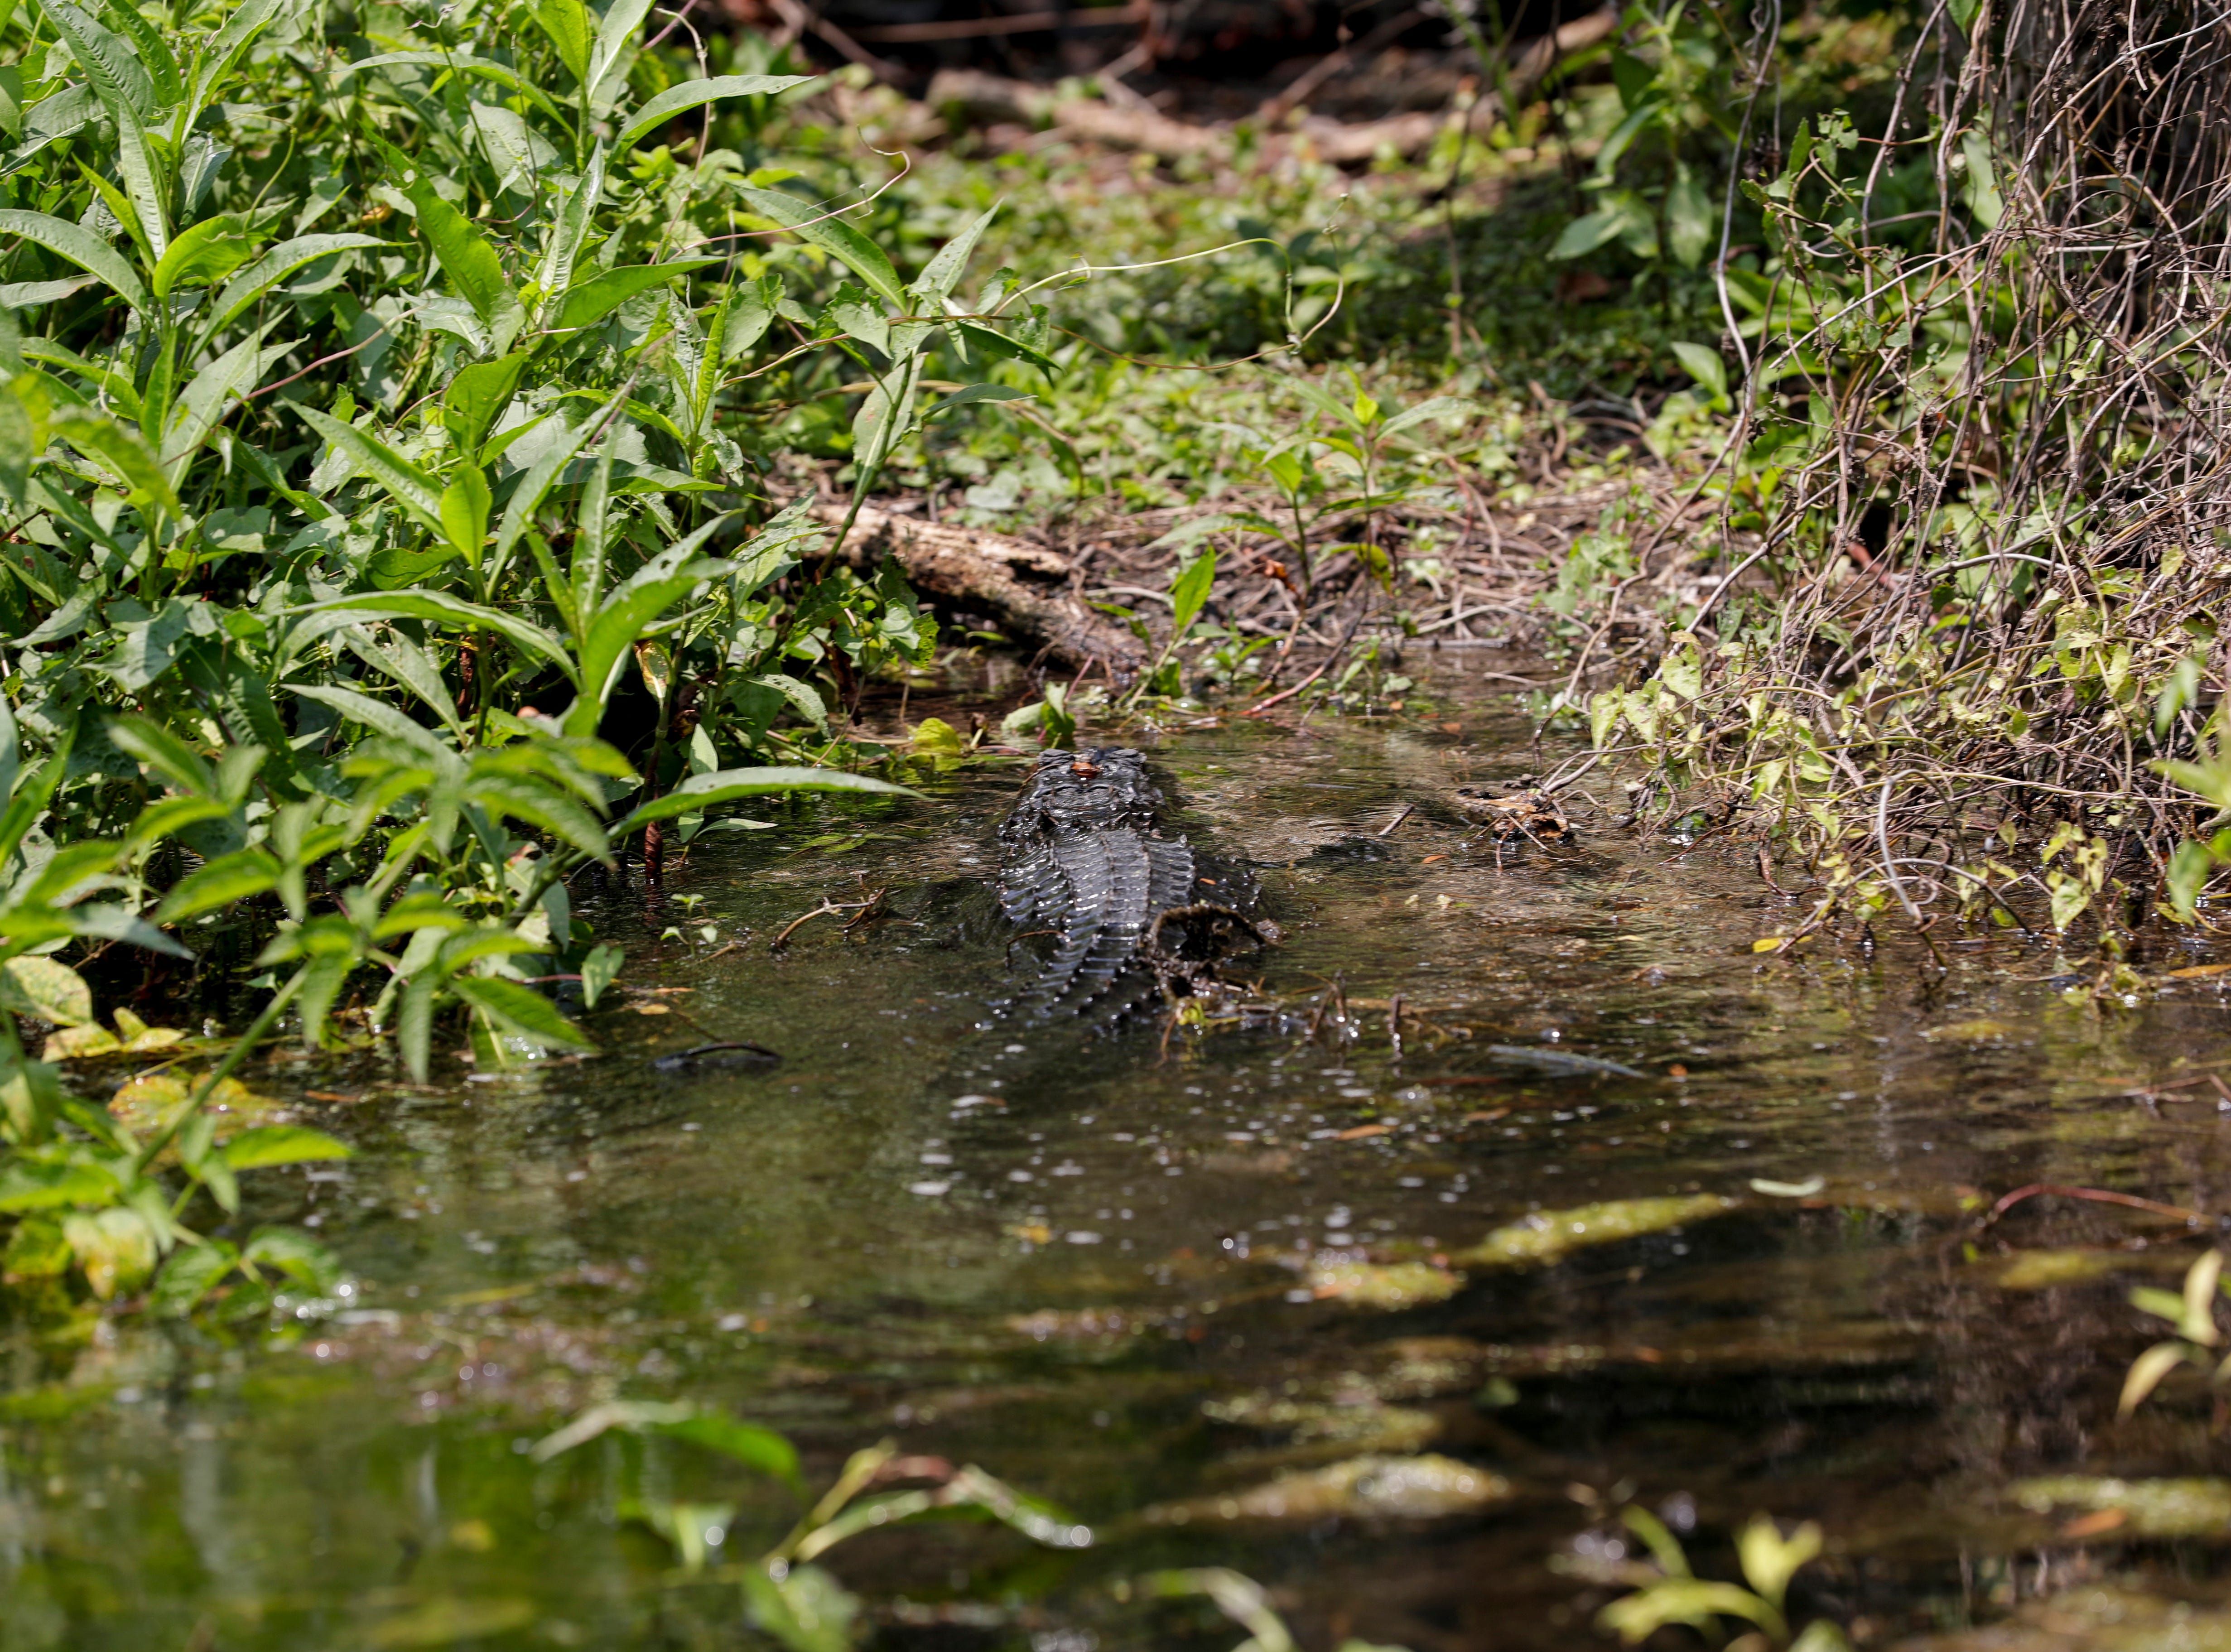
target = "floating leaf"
x: 1550, y: 1236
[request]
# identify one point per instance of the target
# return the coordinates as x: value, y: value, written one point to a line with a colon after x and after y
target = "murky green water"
x: 1111, y: 1276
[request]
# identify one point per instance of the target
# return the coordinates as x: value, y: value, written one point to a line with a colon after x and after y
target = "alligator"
x: 1134, y: 912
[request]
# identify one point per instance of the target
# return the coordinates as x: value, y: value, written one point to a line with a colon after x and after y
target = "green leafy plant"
x: 1671, y: 1594
x: 785, y: 1594
x: 80, y: 1193
x: 2197, y: 1339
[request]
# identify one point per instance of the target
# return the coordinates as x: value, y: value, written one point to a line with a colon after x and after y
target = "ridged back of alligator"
x: 1085, y: 859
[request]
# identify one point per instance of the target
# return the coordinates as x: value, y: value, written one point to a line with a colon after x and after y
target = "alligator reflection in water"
x: 1308, y: 1282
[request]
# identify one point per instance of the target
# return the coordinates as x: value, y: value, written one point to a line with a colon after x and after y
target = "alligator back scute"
x: 1085, y: 859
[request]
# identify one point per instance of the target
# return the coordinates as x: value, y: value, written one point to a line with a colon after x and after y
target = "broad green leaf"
x: 567, y: 23
x: 273, y: 266
x: 27, y: 1185
x: 191, y: 1273
x: 692, y: 94
x: 1692, y: 223
x: 296, y: 1255
x: 465, y: 505
x: 519, y: 1008
x: 153, y: 52
x: 995, y: 346
x: 225, y: 881
x: 942, y: 273
x: 597, y: 297
x: 465, y: 256
x: 205, y: 252
x: 268, y: 1145
x: 214, y: 62
x: 80, y: 246
x: 143, y: 186
x: 1189, y: 591
x: 124, y: 450
x: 569, y: 229
x: 400, y: 657
x: 542, y: 806
x: 703, y: 792
x: 1435, y: 407
x: 616, y: 34
x: 201, y: 407
x: 744, y: 1442
x: 412, y: 488
x: 1704, y: 365
x: 29, y: 799
x: 375, y: 715
x: 162, y: 749
x: 479, y: 67
x: 834, y: 236
x: 111, y: 66
x: 1589, y: 231
x: 609, y: 636
x: 475, y: 397
x: 971, y: 395
x: 599, y: 971
x: 527, y: 496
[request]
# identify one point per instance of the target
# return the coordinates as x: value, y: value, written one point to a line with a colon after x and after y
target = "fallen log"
x: 992, y: 97
x: 1024, y: 589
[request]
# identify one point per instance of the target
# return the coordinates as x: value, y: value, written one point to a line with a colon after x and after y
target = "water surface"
x: 1107, y: 1270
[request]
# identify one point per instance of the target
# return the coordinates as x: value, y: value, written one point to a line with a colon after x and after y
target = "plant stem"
x: 192, y: 1105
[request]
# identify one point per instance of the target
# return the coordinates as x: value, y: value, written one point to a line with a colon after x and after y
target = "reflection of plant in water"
x: 1245, y: 1602
x: 2193, y: 1313
x: 1670, y: 1593
x: 785, y: 1595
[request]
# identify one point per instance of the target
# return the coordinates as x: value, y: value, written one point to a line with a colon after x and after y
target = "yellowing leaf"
x: 1400, y: 1285
x: 1550, y: 1236
x: 147, y: 1102
x: 41, y: 987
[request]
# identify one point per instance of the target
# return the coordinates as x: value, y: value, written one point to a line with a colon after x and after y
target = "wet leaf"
x: 1400, y: 1285
x: 44, y: 988
x: 2200, y: 971
x: 599, y: 971
x: 2038, y: 1270
x: 37, y: 1248
x: 116, y: 1248
x: 934, y: 737
x: 191, y: 1273
x: 1427, y: 1486
x: 805, y: 1609
x: 1693, y: 1601
x: 1770, y: 1560
x: 2157, y: 1508
x: 75, y: 1043
x: 1550, y: 1236
x: 296, y: 1255
x: 1982, y: 1031
x: 146, y: 1102
x: 269, y: 1145
x: 754, y: 1447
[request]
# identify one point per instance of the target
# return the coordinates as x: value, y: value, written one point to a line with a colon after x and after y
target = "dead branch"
x: 1025, y: 589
